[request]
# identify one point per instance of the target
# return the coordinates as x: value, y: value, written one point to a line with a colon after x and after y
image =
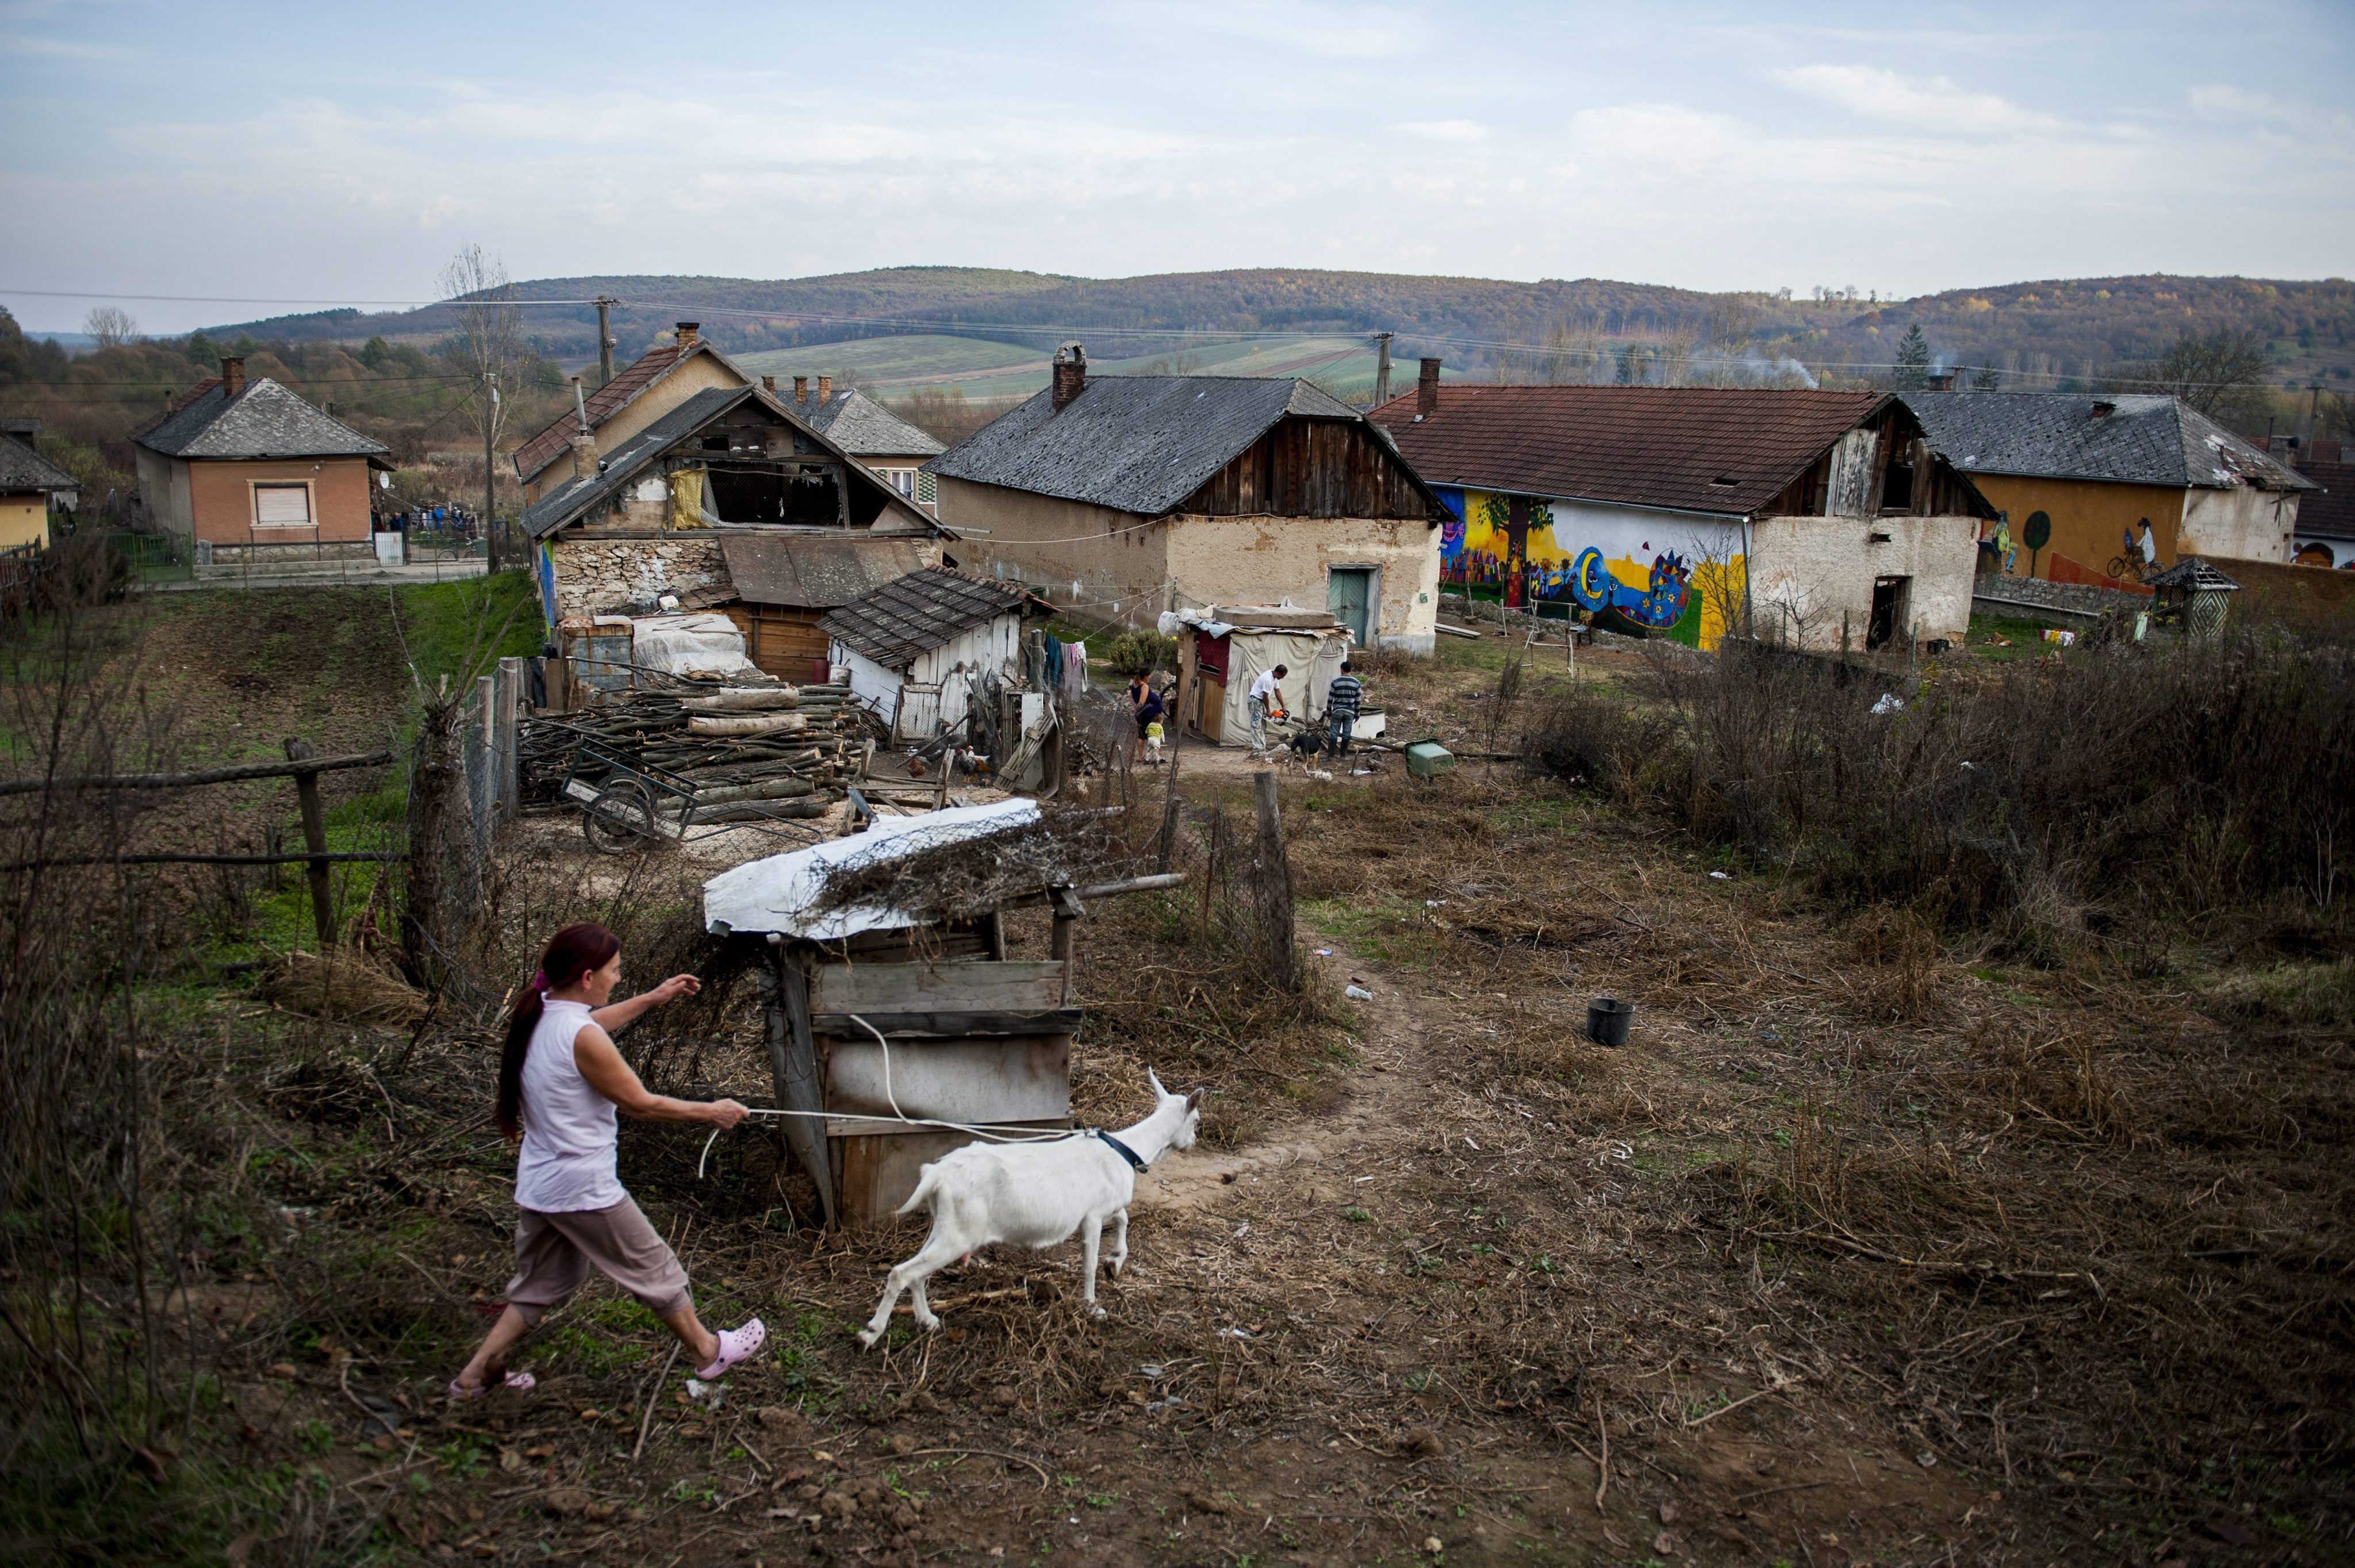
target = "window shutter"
x: 282, y: 505
x: 926, y: 491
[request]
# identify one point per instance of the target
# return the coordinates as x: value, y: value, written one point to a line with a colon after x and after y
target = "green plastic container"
x: 1429, y: 759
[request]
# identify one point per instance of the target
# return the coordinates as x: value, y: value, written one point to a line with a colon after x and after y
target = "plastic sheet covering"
x: 777, y: 895
x: 687, y: 498
x: 689, y: 644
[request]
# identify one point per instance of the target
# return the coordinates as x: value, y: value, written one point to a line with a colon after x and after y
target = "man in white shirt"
x: 1265, y: 700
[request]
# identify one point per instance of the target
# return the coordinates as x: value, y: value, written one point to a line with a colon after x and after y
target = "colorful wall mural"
x: 1673, y: 575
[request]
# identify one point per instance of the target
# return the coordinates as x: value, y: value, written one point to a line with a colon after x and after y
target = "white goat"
x: 1035, y: 1194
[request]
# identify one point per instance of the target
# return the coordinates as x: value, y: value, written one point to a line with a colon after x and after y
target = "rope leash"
x: 897, y: 1118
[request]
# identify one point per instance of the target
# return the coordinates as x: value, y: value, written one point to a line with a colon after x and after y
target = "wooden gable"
x: 1314, y: 468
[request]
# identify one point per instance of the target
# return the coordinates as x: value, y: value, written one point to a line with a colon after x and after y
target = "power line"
x: 257, y: 299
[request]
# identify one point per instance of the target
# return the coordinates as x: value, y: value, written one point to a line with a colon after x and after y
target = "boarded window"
x: 282, y: 505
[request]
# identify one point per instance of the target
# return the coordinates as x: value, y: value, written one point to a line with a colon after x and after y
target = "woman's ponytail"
x: 572, y: 953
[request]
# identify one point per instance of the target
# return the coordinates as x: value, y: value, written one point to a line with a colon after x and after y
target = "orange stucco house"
x: 242, y: 466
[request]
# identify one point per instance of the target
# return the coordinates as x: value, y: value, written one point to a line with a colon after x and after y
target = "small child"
x: 1153, y: 743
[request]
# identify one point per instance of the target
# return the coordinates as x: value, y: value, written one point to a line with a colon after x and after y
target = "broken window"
x: 767, y: 496
x: 1890, y: 611
x: 1897, y: 489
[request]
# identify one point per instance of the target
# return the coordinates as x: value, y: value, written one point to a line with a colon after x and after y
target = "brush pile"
x: 972, y: 877
x: 770, y: 751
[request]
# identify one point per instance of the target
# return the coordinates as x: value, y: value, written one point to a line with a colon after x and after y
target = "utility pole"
x: 1382, y: 369
x: 605, y: 304
x: 490, y: 499
x: 2313, y: 413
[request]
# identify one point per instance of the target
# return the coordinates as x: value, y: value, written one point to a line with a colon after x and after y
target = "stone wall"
x: 596, y: 577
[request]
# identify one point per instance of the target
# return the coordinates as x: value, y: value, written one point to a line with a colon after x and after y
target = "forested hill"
x: 2066, y: 328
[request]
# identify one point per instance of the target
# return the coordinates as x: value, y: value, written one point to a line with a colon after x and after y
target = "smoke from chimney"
x: 688, y: 331
x: 1070, y: 375
x: 1426, y: 388
x: 233, y: 375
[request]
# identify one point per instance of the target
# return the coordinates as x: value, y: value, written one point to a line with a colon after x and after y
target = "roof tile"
x: 922, y: 611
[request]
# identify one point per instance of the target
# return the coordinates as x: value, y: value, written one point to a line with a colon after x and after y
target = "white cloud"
x: 1444, y: 130
x: 2220, y: 100
x: 1922, y: 103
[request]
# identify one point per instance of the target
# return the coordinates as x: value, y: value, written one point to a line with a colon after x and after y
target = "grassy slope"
x: 985, y: 368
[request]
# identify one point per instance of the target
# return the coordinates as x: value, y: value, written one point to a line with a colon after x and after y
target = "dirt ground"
x: 1465, y: 1288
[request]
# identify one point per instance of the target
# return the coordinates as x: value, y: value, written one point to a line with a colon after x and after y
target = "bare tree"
x: 2218, y: 375
x: 111, y: 326
x: 490, y: 329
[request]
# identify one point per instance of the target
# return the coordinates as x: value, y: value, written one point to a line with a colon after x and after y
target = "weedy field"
x: 1910, y: 1227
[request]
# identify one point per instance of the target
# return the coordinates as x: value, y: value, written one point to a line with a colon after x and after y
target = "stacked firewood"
x: 744, y: 751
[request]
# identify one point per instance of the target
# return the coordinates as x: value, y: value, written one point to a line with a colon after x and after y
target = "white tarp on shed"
x: 683, y: 645
x: 778, y: 894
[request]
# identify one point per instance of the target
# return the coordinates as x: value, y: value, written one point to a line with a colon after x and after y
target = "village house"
x: 1142, y: 494
x: 2325, y: 516
x: 642, y: 391
x: 912, y: 645
x: 727, y: 502
x: 1821, y: 518
x: 247, y: 469
x: 2078, y: 473
x: 871, y: 433
x: 29, y: 486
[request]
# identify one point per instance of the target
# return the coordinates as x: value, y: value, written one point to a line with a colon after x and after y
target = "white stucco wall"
x: 1266, y: 559
x: 2240, y: 521
x: 995, y: 645
x: 1805, y: 572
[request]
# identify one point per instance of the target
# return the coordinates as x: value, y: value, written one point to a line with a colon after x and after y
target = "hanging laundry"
x: 1050, y: 672
x: 1075, y: 671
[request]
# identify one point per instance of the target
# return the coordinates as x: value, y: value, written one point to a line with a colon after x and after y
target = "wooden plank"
x: 876, y: 1173
x: 948, y: 1026
x: 1022, y: 1078
x: 793, y: 1060
x: 1029, y: 986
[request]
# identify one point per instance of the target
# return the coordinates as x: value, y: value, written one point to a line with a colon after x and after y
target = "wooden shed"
x: 967, y: 1035
x: 785, y: 583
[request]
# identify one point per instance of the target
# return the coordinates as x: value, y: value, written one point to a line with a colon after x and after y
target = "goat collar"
x: 1121, y: 1148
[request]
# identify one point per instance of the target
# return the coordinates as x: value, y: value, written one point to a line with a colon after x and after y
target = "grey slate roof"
x: 574, y: 497
x: 865, y: 428
x: 2147, y: 439
x: 922, y: 611
x: 1135, y: 443
x: 264, y: 420
x: 22, y: 469
x: 811, y: 573
x: 2195, y: 574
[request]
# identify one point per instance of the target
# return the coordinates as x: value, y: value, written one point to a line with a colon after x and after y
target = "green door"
x: 1348, y: 593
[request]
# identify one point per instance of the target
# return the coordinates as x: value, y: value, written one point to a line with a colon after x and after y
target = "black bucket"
x: 1607, y: 1018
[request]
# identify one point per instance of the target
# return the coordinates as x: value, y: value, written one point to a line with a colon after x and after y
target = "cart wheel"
x: 620, y: 820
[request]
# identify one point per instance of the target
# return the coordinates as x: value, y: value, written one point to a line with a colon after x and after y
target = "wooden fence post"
x: 1274, y: 886
x: 511, y: 685
x: 314, y: 839
x: 1167, y: 845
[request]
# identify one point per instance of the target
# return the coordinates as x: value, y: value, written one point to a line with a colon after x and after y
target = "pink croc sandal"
x: 735, y: 1345
x: 513, y: 1382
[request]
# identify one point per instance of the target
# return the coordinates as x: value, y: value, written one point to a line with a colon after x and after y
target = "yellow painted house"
x: 2078, y: 473
x: 30, y: 483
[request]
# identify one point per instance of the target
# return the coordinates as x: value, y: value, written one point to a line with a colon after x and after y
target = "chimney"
x: 801, y: 393
x: 824, y: 390
x: 1070, y: 375
x: 688, y: 333
x: 584, y: 456
x: 1940, y: 381
x: 579, y: 405
x: 2105, y: 409
x: 233, y: 375
x: 1426, y: 389
x: 768, y: 385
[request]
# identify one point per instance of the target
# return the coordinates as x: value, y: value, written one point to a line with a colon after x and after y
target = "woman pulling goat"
x: 560, y: 1082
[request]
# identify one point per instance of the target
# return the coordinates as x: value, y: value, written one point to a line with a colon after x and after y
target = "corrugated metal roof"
x: 922, y: 611
x: 865, y: 428
x: 2145, y: 439
x: 1135, y: 444
x: 264, y: 420
x: 22, y: 469
x: 812, y: 572
x: 1726, y: 450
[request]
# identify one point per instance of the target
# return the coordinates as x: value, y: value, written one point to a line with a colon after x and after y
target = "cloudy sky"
x: 339, y: 154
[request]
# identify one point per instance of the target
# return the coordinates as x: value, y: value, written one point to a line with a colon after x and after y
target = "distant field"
x: 985, y: 369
